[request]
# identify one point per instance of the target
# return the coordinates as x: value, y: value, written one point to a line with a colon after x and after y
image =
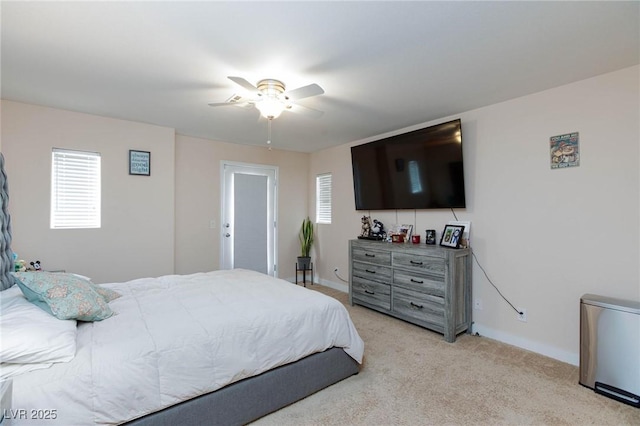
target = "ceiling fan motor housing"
x: 271, y: 87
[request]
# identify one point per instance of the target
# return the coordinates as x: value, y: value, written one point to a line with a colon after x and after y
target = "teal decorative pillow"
x: 106, y: 293
x: 64, y: 296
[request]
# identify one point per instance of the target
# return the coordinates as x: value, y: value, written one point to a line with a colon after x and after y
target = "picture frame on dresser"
x: 451, y: 236
x: 400, y: 233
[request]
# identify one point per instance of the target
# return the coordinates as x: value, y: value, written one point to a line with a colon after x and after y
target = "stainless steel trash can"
x: 610, y: 347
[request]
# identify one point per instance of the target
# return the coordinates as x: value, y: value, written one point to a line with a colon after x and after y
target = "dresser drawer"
x: 420, y: 263
x: 379, y: 257
x: 372, y: 272
x: 419, y: 306
x: 418, y: 282
x: 371, y: 292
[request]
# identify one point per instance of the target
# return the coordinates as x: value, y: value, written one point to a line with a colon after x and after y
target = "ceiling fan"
x: 270, y: 97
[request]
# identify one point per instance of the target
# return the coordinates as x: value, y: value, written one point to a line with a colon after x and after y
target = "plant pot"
x: 304, y: 262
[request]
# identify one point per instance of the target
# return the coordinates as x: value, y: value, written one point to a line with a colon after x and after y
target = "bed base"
x: 249, y: 399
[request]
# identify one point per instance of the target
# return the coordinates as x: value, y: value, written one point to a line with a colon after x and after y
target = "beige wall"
x: 198, y: 200
x: 151, y: 226
x: 137, y: 234
x: 545, y: 237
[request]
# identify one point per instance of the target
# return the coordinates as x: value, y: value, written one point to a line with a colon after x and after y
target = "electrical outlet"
x: 522, y: 316
x: 477, y: 304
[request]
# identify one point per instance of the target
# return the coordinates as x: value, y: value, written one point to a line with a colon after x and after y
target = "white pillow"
x: 29, y: 335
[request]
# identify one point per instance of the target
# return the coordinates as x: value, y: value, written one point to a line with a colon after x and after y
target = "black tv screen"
x: 421, y: 169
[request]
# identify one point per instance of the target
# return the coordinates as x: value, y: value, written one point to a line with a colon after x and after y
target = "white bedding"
x: 176, y: 337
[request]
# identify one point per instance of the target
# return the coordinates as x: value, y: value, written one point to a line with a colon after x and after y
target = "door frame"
x: 249, y: 167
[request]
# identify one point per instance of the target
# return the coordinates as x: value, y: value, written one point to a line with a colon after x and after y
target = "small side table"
x: 304, y: 273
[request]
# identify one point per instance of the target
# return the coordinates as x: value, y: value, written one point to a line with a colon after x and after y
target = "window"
x: 75, y: 189
x: 323, y: 198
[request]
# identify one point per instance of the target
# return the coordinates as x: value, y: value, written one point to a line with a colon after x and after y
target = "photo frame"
x: 139, y: 163
x: 466, y: 236
x: 400, y: 233
x: 451, y: 236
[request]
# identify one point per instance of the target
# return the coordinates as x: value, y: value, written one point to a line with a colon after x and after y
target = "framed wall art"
x: 451, y: 236
x: 565, y: 150
x: 139, y: 163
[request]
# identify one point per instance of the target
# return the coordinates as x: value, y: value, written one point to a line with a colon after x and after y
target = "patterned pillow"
x: 64, y: 296
x: 107, y: 293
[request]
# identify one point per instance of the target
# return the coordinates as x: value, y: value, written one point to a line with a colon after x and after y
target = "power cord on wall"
x: 335, y: 271
x: 487, y: 276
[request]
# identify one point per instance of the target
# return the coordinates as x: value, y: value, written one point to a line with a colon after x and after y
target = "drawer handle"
x: 417, y: 281
x: 416, y: 306
x: 370, y: 271
x: 369, y: 292
x: 415, y: 263
x: 369, y: 255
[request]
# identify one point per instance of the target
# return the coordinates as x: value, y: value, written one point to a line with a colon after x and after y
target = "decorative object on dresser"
x: 430, y: 236
x: 451, y: 236
x: 465, y: 241
x: 366, y: 227
x: 377, y: 230
x: 401, y: 233
x: 429, y: 286
x: 372, y: 230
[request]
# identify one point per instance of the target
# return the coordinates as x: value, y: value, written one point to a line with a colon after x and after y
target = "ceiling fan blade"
x: 245, y: 84
x: 303, y: 110
x: 304, y: 92
x: 244, y: 105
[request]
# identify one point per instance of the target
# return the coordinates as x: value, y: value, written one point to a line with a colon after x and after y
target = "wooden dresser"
x: 426, y: 285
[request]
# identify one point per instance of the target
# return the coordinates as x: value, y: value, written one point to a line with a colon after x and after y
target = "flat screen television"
x: 421, y: 169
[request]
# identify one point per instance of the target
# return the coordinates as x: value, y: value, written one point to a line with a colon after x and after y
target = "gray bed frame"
x: 249, y: 399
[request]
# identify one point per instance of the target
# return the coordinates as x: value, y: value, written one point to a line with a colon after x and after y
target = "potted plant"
x: 306, y: 241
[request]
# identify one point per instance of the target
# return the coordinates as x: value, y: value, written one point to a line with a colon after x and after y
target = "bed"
x: 222, y: 347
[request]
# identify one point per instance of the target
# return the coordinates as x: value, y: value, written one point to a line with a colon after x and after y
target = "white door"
x: 248, y: 217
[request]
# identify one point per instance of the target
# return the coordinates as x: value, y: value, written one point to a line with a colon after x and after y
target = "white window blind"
x: 323, y: 198
x: 75, y: 189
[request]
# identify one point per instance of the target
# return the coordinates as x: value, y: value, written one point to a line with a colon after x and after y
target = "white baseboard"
x: 510, y: 339
x: 537, y: 347
x: 331, y: 284
x: 334, y: 285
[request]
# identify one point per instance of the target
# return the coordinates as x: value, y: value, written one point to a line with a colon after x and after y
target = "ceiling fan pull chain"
x: 269, y: 132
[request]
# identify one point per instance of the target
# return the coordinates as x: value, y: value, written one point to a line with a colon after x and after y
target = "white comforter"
x: 176, y: 337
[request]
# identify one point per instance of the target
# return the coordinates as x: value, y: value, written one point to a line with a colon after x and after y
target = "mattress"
x: 176, y: 337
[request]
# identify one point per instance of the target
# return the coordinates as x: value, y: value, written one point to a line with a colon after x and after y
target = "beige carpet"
x: 410, y: 376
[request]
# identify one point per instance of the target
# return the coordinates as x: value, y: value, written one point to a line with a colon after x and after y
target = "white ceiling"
x: 383, y: 65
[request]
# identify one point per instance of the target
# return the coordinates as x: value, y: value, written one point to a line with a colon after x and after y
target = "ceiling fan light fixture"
x: 270, y: 107
x: 270, y: 97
